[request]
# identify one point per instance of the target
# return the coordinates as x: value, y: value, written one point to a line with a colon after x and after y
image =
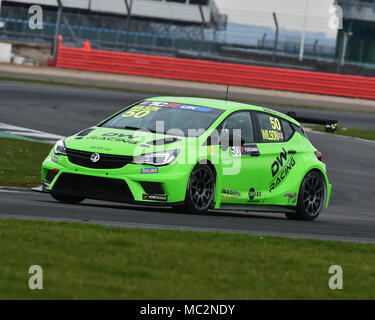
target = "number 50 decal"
x: 275, y: 123
x: 136, y: 113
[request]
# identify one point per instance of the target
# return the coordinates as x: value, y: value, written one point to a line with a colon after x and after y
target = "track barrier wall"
x: 215, y: 72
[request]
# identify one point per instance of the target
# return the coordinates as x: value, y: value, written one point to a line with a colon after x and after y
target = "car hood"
x: 121, y: 142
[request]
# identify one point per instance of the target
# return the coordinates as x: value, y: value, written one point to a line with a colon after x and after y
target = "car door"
x: 280, y: 160
x: 240, y: 164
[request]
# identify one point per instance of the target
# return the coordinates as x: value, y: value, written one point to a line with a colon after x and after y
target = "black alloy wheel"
x: 201, y: 189
x: 311, y: 197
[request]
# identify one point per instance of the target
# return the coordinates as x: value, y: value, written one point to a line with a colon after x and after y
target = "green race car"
x: 193, y: 154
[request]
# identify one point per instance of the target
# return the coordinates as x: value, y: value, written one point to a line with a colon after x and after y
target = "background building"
x: 151, y: 24
x: 358, y: 34
x: 198, y: 29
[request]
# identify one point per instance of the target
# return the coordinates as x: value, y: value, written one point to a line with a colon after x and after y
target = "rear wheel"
x: 311, y: 197
x: 200, y: 191
x: 67, y: 199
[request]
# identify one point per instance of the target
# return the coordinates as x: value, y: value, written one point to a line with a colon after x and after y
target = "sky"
x: 290, y: 13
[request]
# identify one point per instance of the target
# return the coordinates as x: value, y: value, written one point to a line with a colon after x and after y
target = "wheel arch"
x: 217, y: 197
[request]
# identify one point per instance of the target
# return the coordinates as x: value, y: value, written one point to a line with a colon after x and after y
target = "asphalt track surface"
x: 66, y: 110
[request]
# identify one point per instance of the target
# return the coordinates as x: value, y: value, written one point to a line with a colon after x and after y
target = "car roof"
x: 222, y: 105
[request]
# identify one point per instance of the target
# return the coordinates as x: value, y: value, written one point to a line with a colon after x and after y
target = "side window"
x: 288, y: 131
x: 241, y: 121
x: 270, y: 128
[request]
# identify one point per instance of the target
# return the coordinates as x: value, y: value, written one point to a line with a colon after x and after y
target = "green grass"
x: 82, y: 261
x: 349, y: 132
x: 21, y: 161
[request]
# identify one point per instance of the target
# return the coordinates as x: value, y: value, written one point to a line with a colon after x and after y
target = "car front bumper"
x: 133, y: 183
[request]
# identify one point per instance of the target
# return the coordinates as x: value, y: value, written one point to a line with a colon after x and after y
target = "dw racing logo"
x: 280, y: 169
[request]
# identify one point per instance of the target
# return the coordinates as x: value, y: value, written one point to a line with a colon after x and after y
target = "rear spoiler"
x: 330, y: 125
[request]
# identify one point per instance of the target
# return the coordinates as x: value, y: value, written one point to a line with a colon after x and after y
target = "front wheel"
x: 67, y: 199
x: 201, y: 189
x: 311, y: 197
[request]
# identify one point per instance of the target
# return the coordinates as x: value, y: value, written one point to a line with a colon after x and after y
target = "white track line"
x: 29, y: 133
x: 12, y: 191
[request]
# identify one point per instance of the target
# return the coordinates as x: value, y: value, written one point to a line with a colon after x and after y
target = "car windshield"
x: 165, y: 117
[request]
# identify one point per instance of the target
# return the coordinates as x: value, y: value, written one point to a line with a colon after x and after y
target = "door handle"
x: 292, y: 151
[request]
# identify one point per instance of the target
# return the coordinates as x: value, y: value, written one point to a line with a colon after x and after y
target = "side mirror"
x: 231, y: 139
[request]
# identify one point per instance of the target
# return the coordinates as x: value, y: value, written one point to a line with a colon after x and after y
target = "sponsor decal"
x: 194, y: 108
x: 274, y: 134
x: 280, y: 168
x: 275, y: 123
x: 154, y: 197
x: 253, y: 194
x: 83, y: 133
x: 229, y: 197
x: 149, y: 170
x: 270, y: 135
x: 246, y: 150
x: 236, y: 151
x: 159, y: 104
x: 178, y: 106
x: 140, y: 111
x: 55, y: 159
x: 164, y: 141
x: 116, y: 137
x: 292, y: 197
x: 97, y: 148
x: 231, y: 192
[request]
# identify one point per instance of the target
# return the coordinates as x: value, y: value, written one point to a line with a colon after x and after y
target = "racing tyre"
x: 67, y: 199
x: 200, y: 192
x: 311, y: 197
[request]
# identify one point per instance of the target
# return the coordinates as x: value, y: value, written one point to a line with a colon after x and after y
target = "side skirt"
x: 244, y: 207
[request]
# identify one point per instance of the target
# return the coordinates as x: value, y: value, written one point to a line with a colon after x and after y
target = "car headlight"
x: 157, y: 158
x: 60, y: 147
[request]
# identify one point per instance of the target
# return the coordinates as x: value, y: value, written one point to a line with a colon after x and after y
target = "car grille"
x: 106, y: 161
x: 89, y: 187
